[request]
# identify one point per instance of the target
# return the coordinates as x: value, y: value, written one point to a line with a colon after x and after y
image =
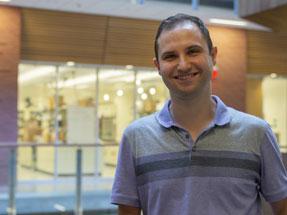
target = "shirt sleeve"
x: 124, y: 189
x: 273, y: 173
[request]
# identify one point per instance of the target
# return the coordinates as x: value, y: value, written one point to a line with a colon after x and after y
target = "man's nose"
x: 183, y: 64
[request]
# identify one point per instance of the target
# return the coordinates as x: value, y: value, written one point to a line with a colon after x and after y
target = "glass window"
x: 151, y: 93
x: 275, y: 107
x: 227, y: 4
x: 36, y: 114
x: 80, y: 104
x: 36, y: 103
x: 116, y: 109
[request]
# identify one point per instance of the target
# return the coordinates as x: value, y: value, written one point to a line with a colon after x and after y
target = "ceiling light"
x: 111, y: 74
x: 120, y: 93
x: 75, y: 81
x: 71, y: 63
x: 273, y: 75
x: 37, y: 73
x: 138, y: 82
x: 140, y: 90
x: 106, y: 97
x: 148, y: 75
x: 129, y: 66
x: 152, y: 91
x: 228, y: 22
x: 5, y: 0
x: 144, y: 96
x: 128, y: 79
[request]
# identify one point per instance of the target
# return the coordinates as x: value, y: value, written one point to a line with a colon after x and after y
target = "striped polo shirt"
x: 162, y: 170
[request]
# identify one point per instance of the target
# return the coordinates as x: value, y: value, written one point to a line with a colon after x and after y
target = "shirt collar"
x: 222, y: 115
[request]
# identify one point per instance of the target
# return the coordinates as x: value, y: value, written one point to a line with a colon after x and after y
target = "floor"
x: 39, y: 193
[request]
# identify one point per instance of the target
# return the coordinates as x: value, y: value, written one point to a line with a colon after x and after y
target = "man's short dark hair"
x: 172, y: 21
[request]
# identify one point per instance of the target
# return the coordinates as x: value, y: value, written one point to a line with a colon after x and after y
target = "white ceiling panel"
x: 127, y: 8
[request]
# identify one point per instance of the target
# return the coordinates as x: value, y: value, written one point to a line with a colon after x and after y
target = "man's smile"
x: 186, y: 76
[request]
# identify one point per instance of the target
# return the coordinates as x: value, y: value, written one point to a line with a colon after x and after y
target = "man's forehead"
x: 167, y: 36
x: 186, y: 25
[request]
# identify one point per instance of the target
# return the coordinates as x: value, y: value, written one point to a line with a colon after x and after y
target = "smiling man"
x: 196, y: 156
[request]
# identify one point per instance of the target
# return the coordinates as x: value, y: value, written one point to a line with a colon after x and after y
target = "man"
x: 196, y: 156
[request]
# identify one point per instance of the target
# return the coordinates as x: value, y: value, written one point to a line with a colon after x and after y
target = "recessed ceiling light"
x: 152, y: 91
x: 120, y: 93
x: 140, y: 90
x: 5, y: 0
x: 129, y: 66
x: 106, y: 97
x: 228, y: 22
x: 70, y: 63
x: 273, y: 75
x: 144, y: 96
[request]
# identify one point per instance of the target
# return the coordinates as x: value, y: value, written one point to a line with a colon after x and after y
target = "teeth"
x: 183, y: 77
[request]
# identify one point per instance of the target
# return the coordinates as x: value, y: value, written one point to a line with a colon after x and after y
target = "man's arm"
x: 128, y: 210
x: 280, y: 207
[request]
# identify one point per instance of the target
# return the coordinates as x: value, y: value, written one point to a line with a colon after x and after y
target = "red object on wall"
x: 214, y: 73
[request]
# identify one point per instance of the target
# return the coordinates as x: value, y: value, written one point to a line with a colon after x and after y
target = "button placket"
x: 190, y: 142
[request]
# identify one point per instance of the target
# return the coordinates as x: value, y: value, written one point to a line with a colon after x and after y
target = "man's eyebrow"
x: 167, y: 53
x: 194, y: 46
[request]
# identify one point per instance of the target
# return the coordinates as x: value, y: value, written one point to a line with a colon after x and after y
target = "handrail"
x: 13, y: 145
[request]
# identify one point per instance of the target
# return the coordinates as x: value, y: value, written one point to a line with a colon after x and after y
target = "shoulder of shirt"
x: 143, y: 123
x: 247, y: 120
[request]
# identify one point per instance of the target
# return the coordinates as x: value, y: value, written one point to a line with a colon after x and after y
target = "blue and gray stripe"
x: 198, y: 164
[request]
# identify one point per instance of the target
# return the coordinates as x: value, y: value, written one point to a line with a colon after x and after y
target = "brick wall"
x: 10, y: 30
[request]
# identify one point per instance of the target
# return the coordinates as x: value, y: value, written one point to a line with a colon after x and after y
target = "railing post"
x: 135, y: 95
x: 12, y: 182
x: 56, y: 127
x: 140, y: 1
x: 79, y: 209
x: 236, y: 7
x: 195, y: 4
x: 97, y: 150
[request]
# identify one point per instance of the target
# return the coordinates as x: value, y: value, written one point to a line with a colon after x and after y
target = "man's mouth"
x: 185, y: 77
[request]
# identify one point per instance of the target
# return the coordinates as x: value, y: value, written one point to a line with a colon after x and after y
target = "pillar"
x: 10, y: 32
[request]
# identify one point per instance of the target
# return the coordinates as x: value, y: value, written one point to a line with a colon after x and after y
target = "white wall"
x: 275, y: 107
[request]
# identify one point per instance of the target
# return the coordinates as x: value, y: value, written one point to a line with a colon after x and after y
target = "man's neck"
x: 193, y: 114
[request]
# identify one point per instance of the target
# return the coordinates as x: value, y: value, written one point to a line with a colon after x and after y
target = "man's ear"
x: 214, y: 55
x: 156, y: 64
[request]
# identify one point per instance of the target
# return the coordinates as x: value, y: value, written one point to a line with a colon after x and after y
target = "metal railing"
x: 78, y: 209
x: 78, y: 182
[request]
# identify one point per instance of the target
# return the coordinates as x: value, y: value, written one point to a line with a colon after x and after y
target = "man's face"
x: 184, y: 61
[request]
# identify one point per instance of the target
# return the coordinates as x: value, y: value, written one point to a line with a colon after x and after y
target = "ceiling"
x: 270, y: 13
x: 151, y: 9
x: 275, y: 18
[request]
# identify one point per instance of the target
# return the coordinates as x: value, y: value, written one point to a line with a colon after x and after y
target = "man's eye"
x: 192, y: 52
x: 169, y: 57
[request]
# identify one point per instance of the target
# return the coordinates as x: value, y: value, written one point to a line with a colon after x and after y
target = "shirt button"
x: 193, y: 149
